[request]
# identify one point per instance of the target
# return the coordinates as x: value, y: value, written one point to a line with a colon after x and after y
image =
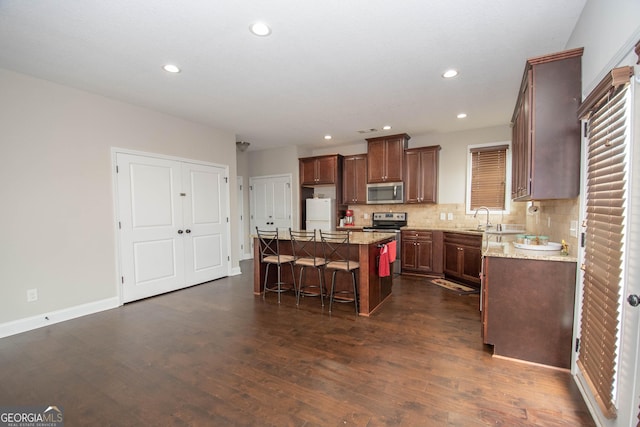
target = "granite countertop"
x: 446, y: 229
x: 507, y: 250
x: 504, y: 249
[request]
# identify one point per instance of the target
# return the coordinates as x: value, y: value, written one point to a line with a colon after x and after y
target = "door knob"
x: 633, y: 300
x: 180, y: 231
x: 187, y: 231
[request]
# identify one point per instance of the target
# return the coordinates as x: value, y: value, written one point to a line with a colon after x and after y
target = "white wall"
x: 57, y: 194
x: 607, y: 29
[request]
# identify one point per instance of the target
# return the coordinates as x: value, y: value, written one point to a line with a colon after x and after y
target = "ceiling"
x: 329, y: 67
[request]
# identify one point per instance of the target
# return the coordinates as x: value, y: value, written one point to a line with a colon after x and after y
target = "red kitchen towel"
x: 392, y: 250
x: 383, y: 264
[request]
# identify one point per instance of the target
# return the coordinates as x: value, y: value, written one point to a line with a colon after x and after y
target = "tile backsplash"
x: 552, y: 219
x: 430, y: 215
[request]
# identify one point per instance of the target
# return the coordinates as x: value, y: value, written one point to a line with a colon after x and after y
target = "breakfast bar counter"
x: 364, y: 248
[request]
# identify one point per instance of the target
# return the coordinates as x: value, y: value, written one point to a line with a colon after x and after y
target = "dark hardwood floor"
x: 215, y: 354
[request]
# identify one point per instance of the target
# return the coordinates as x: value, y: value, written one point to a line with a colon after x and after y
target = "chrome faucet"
x: 488, y: 224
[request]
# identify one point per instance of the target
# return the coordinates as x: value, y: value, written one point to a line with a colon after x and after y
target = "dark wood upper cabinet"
x: 421, y: 174
x: 546, y: 129
x: 385, y: 157
x: 319, y: 170
x: 354, y: 181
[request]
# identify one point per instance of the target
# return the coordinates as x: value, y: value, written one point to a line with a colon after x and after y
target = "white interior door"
x: 173, y: 224
x: 205, y: 222
x: 151, y: 250
x: 270, y: 202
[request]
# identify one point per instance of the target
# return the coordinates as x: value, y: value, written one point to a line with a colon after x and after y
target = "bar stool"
x: 336, y: 248
x: 308, y: 253
x: 270, y: 255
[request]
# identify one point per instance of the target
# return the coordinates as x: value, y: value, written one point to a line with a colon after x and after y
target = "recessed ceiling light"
x: 450, y: 73
x: 462, y: 115
x: 260, y: 29
x: 170, y: 68
x: 327, y: 137
x: 386, y: 127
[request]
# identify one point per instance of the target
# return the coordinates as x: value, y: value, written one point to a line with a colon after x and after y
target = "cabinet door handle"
x: 180, y: 231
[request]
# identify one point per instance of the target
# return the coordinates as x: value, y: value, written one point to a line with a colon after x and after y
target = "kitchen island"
x: 364, y: 247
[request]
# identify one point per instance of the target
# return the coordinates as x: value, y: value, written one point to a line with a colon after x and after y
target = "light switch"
x: 450, y: 216
x: 573, y: 229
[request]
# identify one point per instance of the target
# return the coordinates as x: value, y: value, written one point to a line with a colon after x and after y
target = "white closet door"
x: 152, y: 251
x: 270, y: 202
x: 282, y: 202
x: 260, y: 203
x: 173, y: 224
x: 205, y: 222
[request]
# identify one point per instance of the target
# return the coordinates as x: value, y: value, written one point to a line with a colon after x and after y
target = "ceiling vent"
x: 368, y: 130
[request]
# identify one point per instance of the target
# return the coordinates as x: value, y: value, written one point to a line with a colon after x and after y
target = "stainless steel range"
x: 390, y: 222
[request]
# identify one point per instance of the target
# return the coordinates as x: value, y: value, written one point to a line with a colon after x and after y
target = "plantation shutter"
x: 488, y: 177
x: 607, y: 111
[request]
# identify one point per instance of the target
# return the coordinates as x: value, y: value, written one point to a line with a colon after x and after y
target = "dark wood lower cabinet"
x: 528, y: 308
x: 421, y: 252
x: 463, y: 257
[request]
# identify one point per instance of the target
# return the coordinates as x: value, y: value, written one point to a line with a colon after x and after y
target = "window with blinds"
x: 488, y: 177
x: 606, y: 189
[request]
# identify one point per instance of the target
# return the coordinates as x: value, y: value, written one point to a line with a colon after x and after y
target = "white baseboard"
x: 235, y: 271
x: 46, y: 319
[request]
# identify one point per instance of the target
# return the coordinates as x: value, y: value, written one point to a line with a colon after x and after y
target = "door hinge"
x: 583, y: 239
x: 577, y: 344
x: 288, y: 185
x: 122, y: 279
x: 226, y: 179
x: 227, y: 219
x: 240, y: 187
x: 228, y: 258
x: 251, y: 187
x: 117, y: 170
x: 119, y: 225
x: 183, y: 194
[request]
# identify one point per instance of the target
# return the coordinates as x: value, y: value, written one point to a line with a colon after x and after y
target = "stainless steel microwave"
x: 385, y: 192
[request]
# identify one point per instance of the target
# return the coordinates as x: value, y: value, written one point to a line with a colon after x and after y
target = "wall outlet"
x: 443, y: 216
x: 365, y: 215
x: 32, y: 295
x: 450, y: 216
